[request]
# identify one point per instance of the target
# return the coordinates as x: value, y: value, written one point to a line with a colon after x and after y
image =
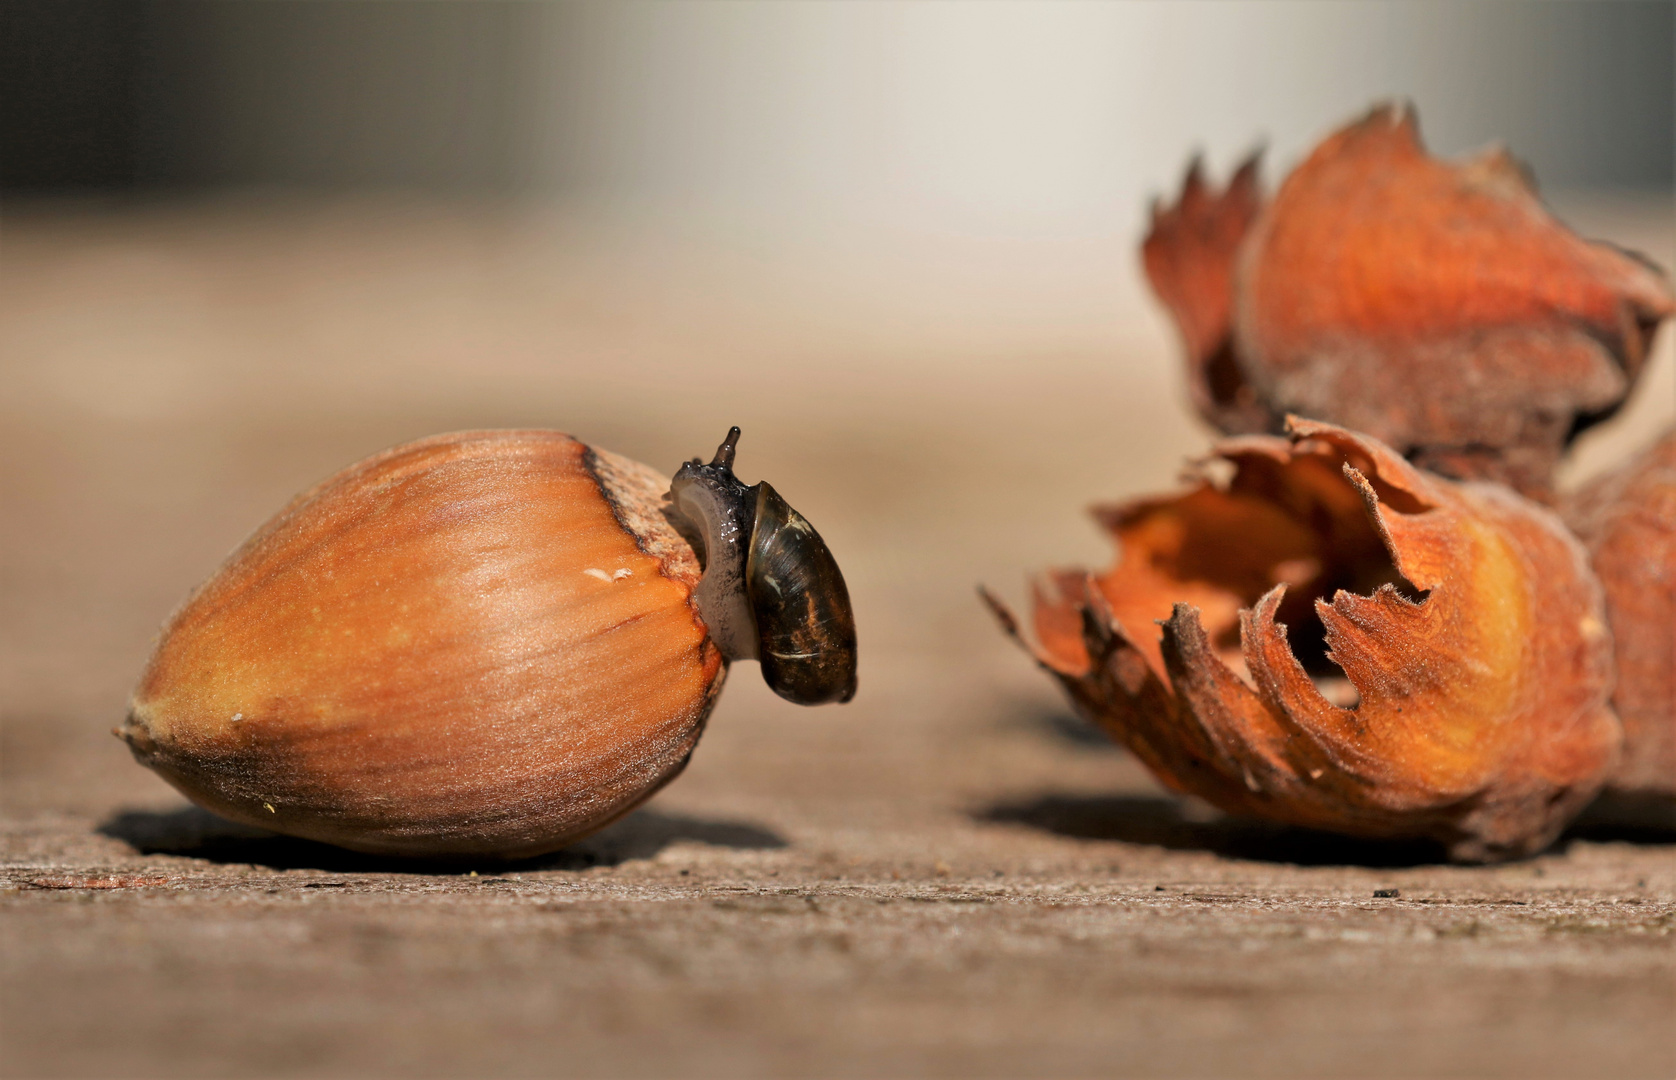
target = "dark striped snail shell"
x: 771, y: 591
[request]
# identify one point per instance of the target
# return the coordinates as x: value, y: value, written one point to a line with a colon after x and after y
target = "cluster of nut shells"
x: 1377, y: 626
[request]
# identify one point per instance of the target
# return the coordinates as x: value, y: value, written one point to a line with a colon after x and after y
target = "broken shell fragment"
x: 1334, y: 639
x: 485, y: 643
x: 1628, y: 523
x: 1438, y: 307
x: 1189, y: 256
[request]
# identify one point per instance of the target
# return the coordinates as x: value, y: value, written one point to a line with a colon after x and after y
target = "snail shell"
x: 771, y: 590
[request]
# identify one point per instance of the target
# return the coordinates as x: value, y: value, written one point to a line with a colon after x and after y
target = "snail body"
x: 484, y: 643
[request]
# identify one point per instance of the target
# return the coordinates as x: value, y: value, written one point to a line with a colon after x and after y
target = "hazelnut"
x: 1454, y: 686
x: 485, y: 643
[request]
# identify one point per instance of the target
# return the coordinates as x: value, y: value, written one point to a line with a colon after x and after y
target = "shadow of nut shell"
x: 1628, y: 523
x: 1453, y: 686
x: 1436, y: 306
x: 479, y: 643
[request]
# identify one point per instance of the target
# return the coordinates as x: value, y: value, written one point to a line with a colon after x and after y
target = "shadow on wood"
x: 1626, y: 818
x: 196, y: 833
x: 1161, y: 822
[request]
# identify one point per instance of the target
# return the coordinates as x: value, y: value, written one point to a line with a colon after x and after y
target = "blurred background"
x: 763, y: 179
x: 243, y: 244
x: 989, y: 116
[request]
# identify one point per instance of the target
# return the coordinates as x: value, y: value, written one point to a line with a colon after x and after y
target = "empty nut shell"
x: 1436, y: 306
x: 1456, y: 679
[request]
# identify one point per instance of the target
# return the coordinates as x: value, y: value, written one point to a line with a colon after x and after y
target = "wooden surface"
x: 949, y: 876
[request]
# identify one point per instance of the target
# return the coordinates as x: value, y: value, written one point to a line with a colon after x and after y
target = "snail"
x: 771, y: 590
x: 484, y: 643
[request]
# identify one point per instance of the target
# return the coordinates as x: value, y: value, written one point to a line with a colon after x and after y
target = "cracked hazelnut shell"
x: 1436, y: 306
x: 1335, y: 639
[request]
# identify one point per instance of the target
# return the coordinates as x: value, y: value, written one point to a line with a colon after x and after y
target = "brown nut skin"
x: 1479, y: 713
x: 1628, y: 522
x: 1435, y: 306
x: 476, y: 644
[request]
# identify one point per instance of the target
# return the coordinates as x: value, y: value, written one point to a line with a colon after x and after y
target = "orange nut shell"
x: 1337, y: 640
x: 1436, y: 306
x: 478, y: 643
x: 1628, y: 523
x: 1189, y: 256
